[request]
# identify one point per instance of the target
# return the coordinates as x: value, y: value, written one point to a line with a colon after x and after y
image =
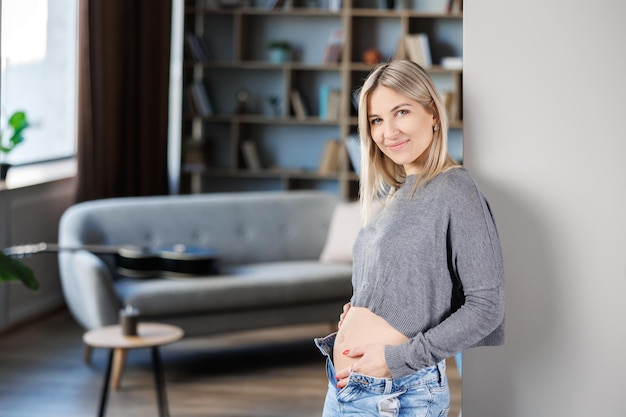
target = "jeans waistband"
x: 326, y: 344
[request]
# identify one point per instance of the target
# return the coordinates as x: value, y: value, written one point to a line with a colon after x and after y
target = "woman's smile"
x: 397, y: 146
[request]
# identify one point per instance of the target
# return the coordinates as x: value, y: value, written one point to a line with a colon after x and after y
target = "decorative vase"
x: 279, y: 55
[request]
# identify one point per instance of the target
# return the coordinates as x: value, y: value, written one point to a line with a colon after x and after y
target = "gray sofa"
x: 268, y: 243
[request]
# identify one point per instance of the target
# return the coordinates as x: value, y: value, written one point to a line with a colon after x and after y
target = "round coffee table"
x: 149, y: 335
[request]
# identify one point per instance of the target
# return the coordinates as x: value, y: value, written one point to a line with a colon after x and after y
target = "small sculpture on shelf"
x: 243, y: 102
x: 274, y: 102
x: 371, y: 56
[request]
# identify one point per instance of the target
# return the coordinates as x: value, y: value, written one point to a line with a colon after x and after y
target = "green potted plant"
x: 280, y: 51
x: 11, y: 138
x: 12, y: 269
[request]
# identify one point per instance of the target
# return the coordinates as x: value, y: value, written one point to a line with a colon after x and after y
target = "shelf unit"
x: 237, y: 64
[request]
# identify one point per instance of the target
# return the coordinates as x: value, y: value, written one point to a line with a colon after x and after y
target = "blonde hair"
x: 380, y: 176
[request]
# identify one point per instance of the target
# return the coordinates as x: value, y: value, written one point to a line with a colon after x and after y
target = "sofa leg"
x: 87, y: 354
x: 119, y: 358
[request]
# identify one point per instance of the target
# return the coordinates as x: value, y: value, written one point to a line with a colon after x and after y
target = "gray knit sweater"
x: 430, y: 264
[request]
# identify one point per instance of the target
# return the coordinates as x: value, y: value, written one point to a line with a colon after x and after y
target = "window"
x: 39, y: 75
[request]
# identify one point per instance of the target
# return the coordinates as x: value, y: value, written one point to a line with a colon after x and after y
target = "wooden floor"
x: 271, y: 373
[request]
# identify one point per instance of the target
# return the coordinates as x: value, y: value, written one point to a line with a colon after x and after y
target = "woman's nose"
x: 390, y: 129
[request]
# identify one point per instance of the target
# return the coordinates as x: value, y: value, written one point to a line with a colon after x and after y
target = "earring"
x: 435, y: 128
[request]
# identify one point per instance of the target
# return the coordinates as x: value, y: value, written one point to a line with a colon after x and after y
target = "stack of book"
x: 417, y: 49
x: 197, y: 47
x: 194, y: 156
x: 199, y: 99
x: 334, y: 47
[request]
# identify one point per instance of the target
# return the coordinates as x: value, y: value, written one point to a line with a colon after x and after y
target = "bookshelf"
x: 250, y: 123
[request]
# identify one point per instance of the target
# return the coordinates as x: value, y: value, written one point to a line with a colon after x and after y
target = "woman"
x: 428, y: 275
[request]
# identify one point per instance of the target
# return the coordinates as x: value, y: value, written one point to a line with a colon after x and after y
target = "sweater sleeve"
x: 474, y: 259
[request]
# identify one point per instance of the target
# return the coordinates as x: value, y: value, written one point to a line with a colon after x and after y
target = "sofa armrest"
x: 88, y: 288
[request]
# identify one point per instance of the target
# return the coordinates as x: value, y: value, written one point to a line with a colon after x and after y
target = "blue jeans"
x: 422, y: 394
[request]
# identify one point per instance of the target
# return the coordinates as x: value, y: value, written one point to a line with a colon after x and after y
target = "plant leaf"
x: 18, y: 120
x: 12, y: 269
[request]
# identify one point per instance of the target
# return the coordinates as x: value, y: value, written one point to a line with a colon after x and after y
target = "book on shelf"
x: 193, y: 162
x: 454, y: 6
x: 334, y: 47
x: 418, y: 49
x: 299, y: 108
x: 194, y: 152
x: 200, y: 102
x: 275, y: 4
x: 329, y: 161
x: 451, y: 101
x: 354, y: 99
x: 452, y: 62
x: 353, y: 146
x: 332, y: 112
x: 329, y: 100
x: 195, y: 155
x: 250, y: 155
x: 197, y: 47
x: 334, y: 5
x: 400, y: 52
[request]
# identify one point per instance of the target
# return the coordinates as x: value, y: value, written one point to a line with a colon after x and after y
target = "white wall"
x: 545, y: 136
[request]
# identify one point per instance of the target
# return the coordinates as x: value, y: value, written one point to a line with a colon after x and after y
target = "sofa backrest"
x: 243, y: 227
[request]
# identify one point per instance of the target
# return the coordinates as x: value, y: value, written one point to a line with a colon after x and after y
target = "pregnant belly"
x: 362, y: 327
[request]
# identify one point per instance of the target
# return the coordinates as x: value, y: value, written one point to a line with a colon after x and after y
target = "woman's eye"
x: 375, y: 121
x: 402, y: 112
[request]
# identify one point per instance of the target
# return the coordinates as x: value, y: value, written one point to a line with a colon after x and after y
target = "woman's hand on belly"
x: 370, y: 360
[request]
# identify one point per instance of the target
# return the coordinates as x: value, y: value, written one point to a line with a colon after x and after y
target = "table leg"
x: 105, y: 387
x: 157, y: 367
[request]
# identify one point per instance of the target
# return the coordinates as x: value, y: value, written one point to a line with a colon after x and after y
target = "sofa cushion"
x: 239, y: 287
x: 344, y: 228
x: 342, y: 232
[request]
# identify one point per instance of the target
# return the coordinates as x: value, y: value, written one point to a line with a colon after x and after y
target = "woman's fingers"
x: 346, y: 307
x: 342, y: 377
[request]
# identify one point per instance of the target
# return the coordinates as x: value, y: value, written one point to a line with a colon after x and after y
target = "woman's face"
x: 401, y: 128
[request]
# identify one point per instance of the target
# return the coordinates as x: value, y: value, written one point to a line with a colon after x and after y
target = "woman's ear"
x: 433, y: 110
